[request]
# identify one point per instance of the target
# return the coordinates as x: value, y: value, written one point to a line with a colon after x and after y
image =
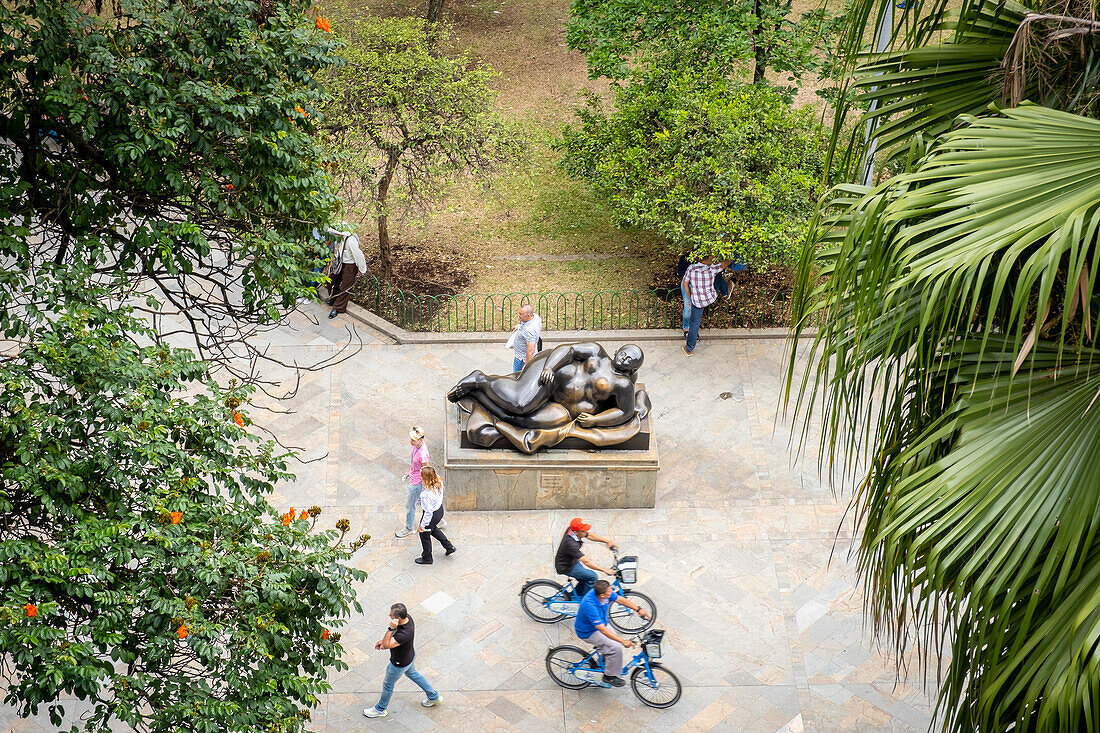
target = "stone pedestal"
x: 501, y: 480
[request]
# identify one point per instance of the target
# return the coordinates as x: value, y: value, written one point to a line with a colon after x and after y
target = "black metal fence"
x: 568, y: 311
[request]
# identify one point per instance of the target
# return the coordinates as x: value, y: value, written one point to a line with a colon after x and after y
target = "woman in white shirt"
x: 431, y: 501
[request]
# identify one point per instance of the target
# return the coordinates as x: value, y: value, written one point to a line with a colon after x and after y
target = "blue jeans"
x: 517, y: 364
x: 721, y: 285
x: 693, y: 327
x: 687, y: 305
x: 393, y: 674
x: 410, y: 505
x: 585, y: 577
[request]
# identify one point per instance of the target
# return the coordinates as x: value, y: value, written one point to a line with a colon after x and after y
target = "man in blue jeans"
x: 399, y: 640
x: 699, y: 288
x: 720, y: 285
x: 570, y: 559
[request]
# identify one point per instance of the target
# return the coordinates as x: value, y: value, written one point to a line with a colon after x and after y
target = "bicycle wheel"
x: 533, y: 598
x: 663, y: 692
x: 560, y: 660
x: 629, y: 622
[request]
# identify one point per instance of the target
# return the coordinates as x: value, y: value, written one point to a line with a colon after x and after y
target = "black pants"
x: 340, y: 287
x: 434, y: 531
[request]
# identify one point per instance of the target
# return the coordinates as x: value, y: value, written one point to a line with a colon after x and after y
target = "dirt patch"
x: 423, y: 272
x: 758, y: 298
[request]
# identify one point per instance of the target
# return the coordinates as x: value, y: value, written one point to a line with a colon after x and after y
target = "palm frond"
x: 956, y: 369
x: 990, y: 514
x: 924, y: 89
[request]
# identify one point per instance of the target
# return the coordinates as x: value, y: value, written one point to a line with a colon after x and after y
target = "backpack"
x: 336, y: 264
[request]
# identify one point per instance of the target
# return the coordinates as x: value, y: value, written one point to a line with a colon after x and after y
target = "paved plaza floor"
x: 746, y: 555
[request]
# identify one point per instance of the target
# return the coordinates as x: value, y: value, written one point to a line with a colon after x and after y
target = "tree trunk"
x: 435, y: 10
x: 385, y: 250
x: 759, y: 50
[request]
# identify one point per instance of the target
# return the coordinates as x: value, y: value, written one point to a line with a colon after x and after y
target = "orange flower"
x: 299, y: 110
x: 229, y: 186
x: 177, y: 517
x: 287, y: 519
x: 322, y: 24
x: 182, y: 631
x: 238, y: 419
x: 31, y: 609
x: 304, y: 515
x: 324, y: 634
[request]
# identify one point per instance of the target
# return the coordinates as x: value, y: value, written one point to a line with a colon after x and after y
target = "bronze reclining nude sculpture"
x: 572, y: 391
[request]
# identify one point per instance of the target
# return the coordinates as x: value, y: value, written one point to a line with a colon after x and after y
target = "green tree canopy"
x: 404, y: 113
x: 158, y: 184
x: 711, y: 165
x: 174, y: 145
x: 731, y: 37
x: 141, y: 568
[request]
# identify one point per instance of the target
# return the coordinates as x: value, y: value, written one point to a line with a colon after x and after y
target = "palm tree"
x: 956, y: 368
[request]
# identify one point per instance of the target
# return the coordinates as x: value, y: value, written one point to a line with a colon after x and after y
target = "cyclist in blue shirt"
x: 593, y: 625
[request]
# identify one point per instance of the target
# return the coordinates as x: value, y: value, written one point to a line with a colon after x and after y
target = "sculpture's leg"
x: 467, y: 385
x: 550, y: 415
x: 514, y: 394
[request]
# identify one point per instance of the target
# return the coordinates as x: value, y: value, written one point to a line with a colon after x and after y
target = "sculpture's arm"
x: 561, y: 356
x: 621, y: 413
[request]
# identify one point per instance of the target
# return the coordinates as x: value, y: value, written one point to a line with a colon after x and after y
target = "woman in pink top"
x: 419, y: 459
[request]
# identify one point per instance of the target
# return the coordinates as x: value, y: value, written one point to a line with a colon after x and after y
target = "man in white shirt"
x: 527, y: 337
x: 348, y: 262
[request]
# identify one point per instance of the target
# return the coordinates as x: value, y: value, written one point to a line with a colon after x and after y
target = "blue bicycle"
x: 653, y: 683
x: 549, y: 602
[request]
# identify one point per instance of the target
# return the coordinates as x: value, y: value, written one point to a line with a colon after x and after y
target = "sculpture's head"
x: 628, y: 359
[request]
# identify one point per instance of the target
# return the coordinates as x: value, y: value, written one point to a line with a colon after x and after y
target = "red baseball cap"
x: 578, y: 526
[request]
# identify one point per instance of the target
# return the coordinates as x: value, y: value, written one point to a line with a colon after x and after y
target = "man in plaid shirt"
x: 699, y: 285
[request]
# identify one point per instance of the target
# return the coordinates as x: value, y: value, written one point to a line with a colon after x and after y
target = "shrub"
x: 712, y: 166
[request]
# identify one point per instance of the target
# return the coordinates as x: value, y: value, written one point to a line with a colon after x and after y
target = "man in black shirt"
x: 399, y: 640
x: 570, y: 559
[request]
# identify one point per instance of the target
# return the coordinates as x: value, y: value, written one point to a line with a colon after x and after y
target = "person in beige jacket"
x: 348, y: 261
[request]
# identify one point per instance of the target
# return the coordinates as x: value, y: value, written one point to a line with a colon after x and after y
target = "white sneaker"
x: 403, y: 533
x: 428, y: 702
x: 375, y: 713
x: 442, y: 523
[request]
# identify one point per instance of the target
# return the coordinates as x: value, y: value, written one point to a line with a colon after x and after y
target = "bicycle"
x: 652, y: 683
x: 548, y: 602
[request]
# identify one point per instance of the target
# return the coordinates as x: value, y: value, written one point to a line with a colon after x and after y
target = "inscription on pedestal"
x: 551, y: 480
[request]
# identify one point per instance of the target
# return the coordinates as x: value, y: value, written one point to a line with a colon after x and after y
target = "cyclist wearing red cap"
x: 570, y: 559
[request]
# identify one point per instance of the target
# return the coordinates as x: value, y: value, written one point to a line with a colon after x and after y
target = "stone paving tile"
x: 730, y: 708
x: 745, y: 554
x: 863, y: 707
